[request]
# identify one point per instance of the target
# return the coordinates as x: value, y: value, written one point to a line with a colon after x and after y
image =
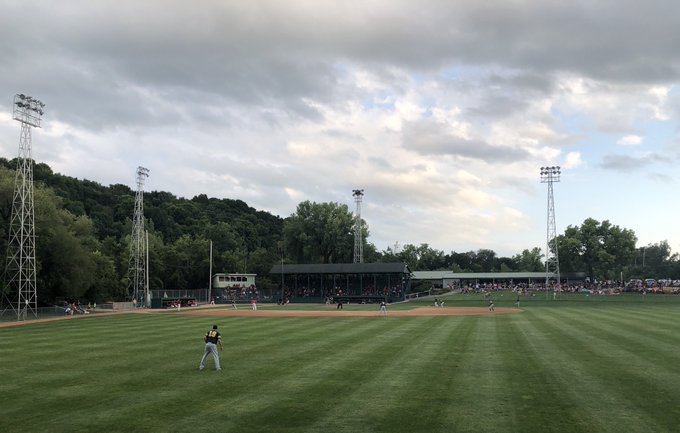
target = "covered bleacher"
x: 458, y: 280
x: 349, y: 282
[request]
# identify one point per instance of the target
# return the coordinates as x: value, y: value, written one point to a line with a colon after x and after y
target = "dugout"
x: 354, y: 282
x: 184, y: 301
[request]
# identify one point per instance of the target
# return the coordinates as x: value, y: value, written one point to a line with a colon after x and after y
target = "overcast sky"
x: 443, y: 112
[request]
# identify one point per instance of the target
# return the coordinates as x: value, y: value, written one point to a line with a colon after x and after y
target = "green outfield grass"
x: 561, y: 366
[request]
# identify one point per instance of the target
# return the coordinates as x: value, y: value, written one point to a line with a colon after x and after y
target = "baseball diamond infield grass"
x: 560, y: 366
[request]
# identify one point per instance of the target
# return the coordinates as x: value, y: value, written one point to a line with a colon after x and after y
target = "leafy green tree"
x: 106, y: 284
x: 186, y: 264
x: 486, y: 259
x: 601, y: 249
x: 422, y: 258
x: 654, y: 261
x: 462, y: 262
x: 530, y: 260
x: 65, y: 243
x: 64, y: 248
x: 320, y: 233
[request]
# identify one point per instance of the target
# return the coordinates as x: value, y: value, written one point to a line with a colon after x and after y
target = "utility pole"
x: 20, y: 271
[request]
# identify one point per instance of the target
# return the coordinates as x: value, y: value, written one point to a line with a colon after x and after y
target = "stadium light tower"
x: 551, y: 175
x: 20, y: 271
x: 137, y: 284
x: 358, y: 243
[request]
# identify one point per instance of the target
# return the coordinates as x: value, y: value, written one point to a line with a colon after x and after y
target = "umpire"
x: 212, y: 339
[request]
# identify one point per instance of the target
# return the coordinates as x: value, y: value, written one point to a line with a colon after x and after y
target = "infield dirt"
x: 332, y: 312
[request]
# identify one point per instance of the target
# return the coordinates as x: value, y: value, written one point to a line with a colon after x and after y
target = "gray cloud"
x: 282, y: 54
x: 628, y: 163
x: 276, y: 102
x: 428, y: 137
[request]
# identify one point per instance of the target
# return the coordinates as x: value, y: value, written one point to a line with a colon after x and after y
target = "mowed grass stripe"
x: 321, y: 382
x: 256, y: 382
x: 434, y: 384
x: 503, y: 384
x: 577, y: 389
x: 477, y: 378
x: 648, y: 368
x: 555, y: 368
x: 255, y: 378
x: 612, y: 402
x: 656, y: 322
x: 400, y: 374
x: 75, y: 384
x: 539, y: 403
x: 635, y: 340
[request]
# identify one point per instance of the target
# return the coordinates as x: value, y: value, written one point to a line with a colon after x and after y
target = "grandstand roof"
x: 448, y: 275
x: 341, y: 268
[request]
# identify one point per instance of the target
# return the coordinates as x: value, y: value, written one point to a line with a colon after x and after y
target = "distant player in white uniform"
x: 383, y: 308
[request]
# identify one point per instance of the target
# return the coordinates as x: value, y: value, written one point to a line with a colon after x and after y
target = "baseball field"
x: 570, y: 365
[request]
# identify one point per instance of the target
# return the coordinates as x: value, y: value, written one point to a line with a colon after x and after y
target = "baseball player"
x: 383, y: 308
x: 212, y: 339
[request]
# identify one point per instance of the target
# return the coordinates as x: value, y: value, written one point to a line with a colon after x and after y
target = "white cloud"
x: 572, y: 160
x: 630, y: 140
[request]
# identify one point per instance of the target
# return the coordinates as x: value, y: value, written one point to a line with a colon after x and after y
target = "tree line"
x: 83, y: 241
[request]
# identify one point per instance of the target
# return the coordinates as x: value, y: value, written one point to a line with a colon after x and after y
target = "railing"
x: 417, y: 295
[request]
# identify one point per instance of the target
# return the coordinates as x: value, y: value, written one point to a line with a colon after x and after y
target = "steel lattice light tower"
x: 20, y: 271
x: 550, y: 175
x: 358, y: 243
x: 137, y: 286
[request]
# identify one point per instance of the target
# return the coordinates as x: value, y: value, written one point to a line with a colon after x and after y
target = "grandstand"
x: 351, y: 282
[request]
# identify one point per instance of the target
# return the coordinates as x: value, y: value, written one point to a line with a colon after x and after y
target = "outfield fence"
x: 10, y: 315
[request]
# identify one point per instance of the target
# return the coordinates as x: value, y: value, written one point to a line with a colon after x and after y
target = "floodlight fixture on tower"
x: 28, y: 110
